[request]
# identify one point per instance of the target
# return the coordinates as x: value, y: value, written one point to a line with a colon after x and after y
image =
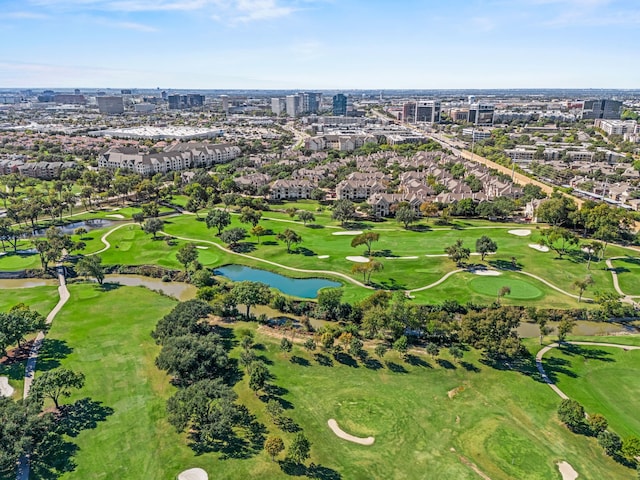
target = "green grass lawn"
x: 628, y: 274
x: 503, y: 421
x: 40, y: 299
x: 603, y: 379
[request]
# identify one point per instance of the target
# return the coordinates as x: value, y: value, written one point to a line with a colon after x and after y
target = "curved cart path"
x: 354, y: 281
x: 616, y: 283
x: 544, y: 350
x: 104, y: 240
x: 262, y: 260
x: 30, y: 369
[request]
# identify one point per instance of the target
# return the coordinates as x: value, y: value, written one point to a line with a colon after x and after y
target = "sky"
x: 319, y: 44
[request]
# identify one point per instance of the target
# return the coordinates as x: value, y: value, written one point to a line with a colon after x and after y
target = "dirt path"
x: 30, y: 369
x: 544, y: 350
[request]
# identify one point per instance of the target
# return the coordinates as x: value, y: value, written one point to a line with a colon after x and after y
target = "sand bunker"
x: 115, y: 215
x: 348, y: 232
x: 6, y: 390
x: 323, y: 256
x: 201, y: 247
x: 358, y: 259
x: 520, y: 233
x: 486, y: 273
x: 567, y: 471
x: 540, y: 248
x: 193, y: 474
x: 333, y: 425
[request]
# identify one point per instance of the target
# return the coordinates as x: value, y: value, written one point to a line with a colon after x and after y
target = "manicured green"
x: 603, y: 379
x: 502, y: 421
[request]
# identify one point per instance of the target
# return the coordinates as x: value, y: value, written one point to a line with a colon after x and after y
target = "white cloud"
x: 24, y: 15
x: 139, y: 27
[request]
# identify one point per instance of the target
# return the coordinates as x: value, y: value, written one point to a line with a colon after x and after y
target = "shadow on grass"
x: 525, y: 365
x: 108, y: 286
x: 55, y: 458
x: 416, y: 361
x: 312, y: 471
x: 82, y: 415
x: 588, y: 353
x: 303, y: 362
x: 323, y: 359
x: 357, y: 226
x: 446, y: 364
x: 469, y: 367
x: 391, y: 284
x: 51, y: 353
x: 373, y: 364
x: 346, y: 359
x: 314, y: 226
x: 505, y: 265
x: 381, y: 253
x: 304, y: 251
x: 396, y: 367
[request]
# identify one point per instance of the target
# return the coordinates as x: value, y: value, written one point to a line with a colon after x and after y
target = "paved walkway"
x: 616, y: 283
x: 544, y: 350
x: 104, y: 240
x: 30, y: 369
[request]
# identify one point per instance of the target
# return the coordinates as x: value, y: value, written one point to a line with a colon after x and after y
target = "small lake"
x: 88, y: 225
x: 181, y: 291
x: 297, y: 287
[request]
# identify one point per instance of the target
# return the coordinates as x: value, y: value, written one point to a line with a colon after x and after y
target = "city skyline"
x: 319, y: 44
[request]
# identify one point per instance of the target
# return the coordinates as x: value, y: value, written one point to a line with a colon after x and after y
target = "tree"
x: 299, y: 449
x: 360, y: 268
x: 457, y: 252
x: 401, y: 345
x: 380, y: 350
x: 192, y: 357
x: 274, y: 410
x: 152, y: 225
x: 232, y: 236
x: 456, y: 352
x: 631, y: 448
x: 258, y: 376
x: 432, y: 349
x: 503, y: 291
x: 16, y: 324
x: 556, y: 211
x: 610, y: 442
x: 558, y: 239
x: 406, y: 215
x: 286, y: 345
x: 367, y: 239
x: 597, y: 423
x: 372, y: 266
x: 258, y: 231
x: 250, y: 293
x: 309, y: 345
x: 138, y: 217
x: 91, y: 267
x: 565, y: 327
x: 592, y: 249
x: 429, y: 209
x: 249, y: 215
x: 571, y: 413
x: 185, y: 318
x: 318, y: 195
x: 493, y: 331
x: 289, y: 237
x: 274, y: 446
x: 306, y: 216
x: 582, y: 285
x: 187, y: 254
x: 329, y: 302
x: 485, y: 245
x: 56, y: 383
x: 343, y: 211
x: 219, y: 219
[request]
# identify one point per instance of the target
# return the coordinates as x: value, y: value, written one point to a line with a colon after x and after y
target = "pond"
x: 88, y: 225
x: 297, y: 287
x: 181, y: 291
